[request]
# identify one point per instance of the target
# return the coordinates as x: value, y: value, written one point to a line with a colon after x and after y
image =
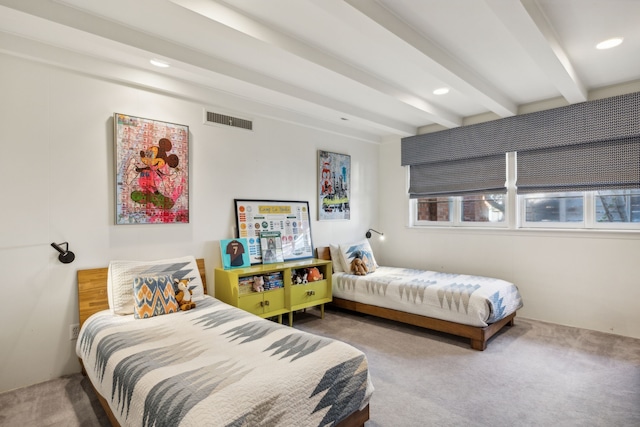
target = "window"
x: 584, y: 148
x: 433, y: 210
x: 601, y: 209
x: 590, y: 209
x: 483, y: 208
x: 552, y: 209
x: 461, y: 210
x: 617, y: 206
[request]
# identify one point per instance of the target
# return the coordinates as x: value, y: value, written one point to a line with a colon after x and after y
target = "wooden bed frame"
x: 477, y: 335
x: 92, y: 297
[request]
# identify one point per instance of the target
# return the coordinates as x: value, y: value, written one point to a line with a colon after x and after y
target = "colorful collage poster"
x: 334, y: 186
x: 152, y: 171
x: 290, y: 218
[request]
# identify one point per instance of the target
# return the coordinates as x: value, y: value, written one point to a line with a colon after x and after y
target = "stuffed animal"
x: 296, y: 277
x: 359, y: 267
x: 313, y: 274
x: 258, y: 283
x: 183, y: 297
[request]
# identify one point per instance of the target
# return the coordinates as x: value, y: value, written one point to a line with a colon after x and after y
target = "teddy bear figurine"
x: 184, y: 295
x: 359, y: 267
x: 258, y: 283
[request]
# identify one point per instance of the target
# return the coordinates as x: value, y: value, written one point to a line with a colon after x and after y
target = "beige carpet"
x: 534, y: 374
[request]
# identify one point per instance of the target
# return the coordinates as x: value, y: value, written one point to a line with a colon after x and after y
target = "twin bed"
x: 213, y: 365
x: 153, y: 365
x: 473, y: 307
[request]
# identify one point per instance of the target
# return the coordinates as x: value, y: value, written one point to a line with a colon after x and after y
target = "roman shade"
x: 584, y: 146
x: 595, y: 166
x: 459, y: 177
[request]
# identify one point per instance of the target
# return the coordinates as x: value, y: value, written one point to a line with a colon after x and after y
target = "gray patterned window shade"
x: 595, y: 166
x: 459, y: 177
x: 587, y: 123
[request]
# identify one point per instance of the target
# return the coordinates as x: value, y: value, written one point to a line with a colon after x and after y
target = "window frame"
x: 515, y: 212
x: 413, y: 208
x: 455, y: 216
x: 522, y: 213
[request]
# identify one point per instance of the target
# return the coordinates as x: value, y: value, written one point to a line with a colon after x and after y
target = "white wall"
x: 584, y: 279
x: 57, y: 171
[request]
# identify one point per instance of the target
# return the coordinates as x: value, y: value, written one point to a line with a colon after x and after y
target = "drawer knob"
x: 311, y: 293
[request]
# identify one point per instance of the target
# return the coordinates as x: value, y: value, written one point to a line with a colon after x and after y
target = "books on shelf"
x: 271, y: 247
x: 270, y: 281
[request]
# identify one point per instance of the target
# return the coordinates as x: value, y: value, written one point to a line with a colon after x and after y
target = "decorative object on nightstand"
x: 234, y: 253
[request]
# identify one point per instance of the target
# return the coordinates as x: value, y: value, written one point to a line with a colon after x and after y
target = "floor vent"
x: 223, y: 119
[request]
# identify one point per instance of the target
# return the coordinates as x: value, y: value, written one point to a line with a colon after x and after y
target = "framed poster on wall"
x: 290, y: 218
x: 152, y: 171
x: 334, y: 186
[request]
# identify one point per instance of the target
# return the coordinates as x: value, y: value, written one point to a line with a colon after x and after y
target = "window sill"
x: 538, y: 231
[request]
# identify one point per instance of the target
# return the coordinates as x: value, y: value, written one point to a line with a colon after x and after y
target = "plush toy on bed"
x: 183, y: 297
x: 258, y: 283
x: 358, y: 266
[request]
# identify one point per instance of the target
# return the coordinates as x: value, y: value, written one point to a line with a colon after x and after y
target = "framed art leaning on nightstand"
x: 290, y: 218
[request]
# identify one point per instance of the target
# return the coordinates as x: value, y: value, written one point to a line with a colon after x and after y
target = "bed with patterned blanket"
x: 474, y: 307
x: 216, y: 365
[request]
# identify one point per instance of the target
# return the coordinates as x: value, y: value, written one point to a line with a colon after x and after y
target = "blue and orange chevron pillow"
x: 153, y: 296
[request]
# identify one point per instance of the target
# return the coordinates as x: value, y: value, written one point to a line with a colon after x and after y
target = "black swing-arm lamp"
x: 375, y: 231
x: 66, y: 256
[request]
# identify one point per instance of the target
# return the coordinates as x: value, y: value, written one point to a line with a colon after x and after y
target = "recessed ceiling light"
x: 159, y: 63
x: 441, y: 91
x: 608, y: 44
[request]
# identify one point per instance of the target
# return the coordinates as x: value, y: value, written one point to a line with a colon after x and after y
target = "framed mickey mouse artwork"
x: 152, y: 171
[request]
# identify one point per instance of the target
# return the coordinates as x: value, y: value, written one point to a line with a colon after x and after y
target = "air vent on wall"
x: 223, y: 119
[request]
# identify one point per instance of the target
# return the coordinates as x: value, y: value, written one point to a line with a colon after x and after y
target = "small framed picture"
x: 235, y: 253
x: 271, y: 244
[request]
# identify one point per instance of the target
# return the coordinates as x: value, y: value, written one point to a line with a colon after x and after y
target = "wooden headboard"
x: 92, y: 290
x: 323, y: 252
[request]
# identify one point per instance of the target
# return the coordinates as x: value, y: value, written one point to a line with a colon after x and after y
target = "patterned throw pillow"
x: 121, y: 275
x: 153, y: 296
x: 361, y: 248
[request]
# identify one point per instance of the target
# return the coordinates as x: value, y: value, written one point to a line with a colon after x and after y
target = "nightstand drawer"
x: 263, y: 302
x: 309, y: 292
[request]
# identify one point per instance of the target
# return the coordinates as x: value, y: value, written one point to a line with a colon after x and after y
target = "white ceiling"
x: 364, y: 68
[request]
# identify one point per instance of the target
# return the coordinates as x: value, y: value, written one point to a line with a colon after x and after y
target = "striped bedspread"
x: 469, y: 300
x: 217, y: 365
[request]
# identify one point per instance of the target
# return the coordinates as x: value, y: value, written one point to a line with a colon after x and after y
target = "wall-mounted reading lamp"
x: 375, y: 231
x: 66, y: 256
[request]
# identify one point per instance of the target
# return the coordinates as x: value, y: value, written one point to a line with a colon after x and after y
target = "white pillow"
x: 336, y: 257
x: 122, y: 273
x: 349, y: 251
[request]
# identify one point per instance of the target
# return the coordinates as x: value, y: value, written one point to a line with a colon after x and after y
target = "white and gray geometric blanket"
x: 469, y: 300
x: 217, y: 365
